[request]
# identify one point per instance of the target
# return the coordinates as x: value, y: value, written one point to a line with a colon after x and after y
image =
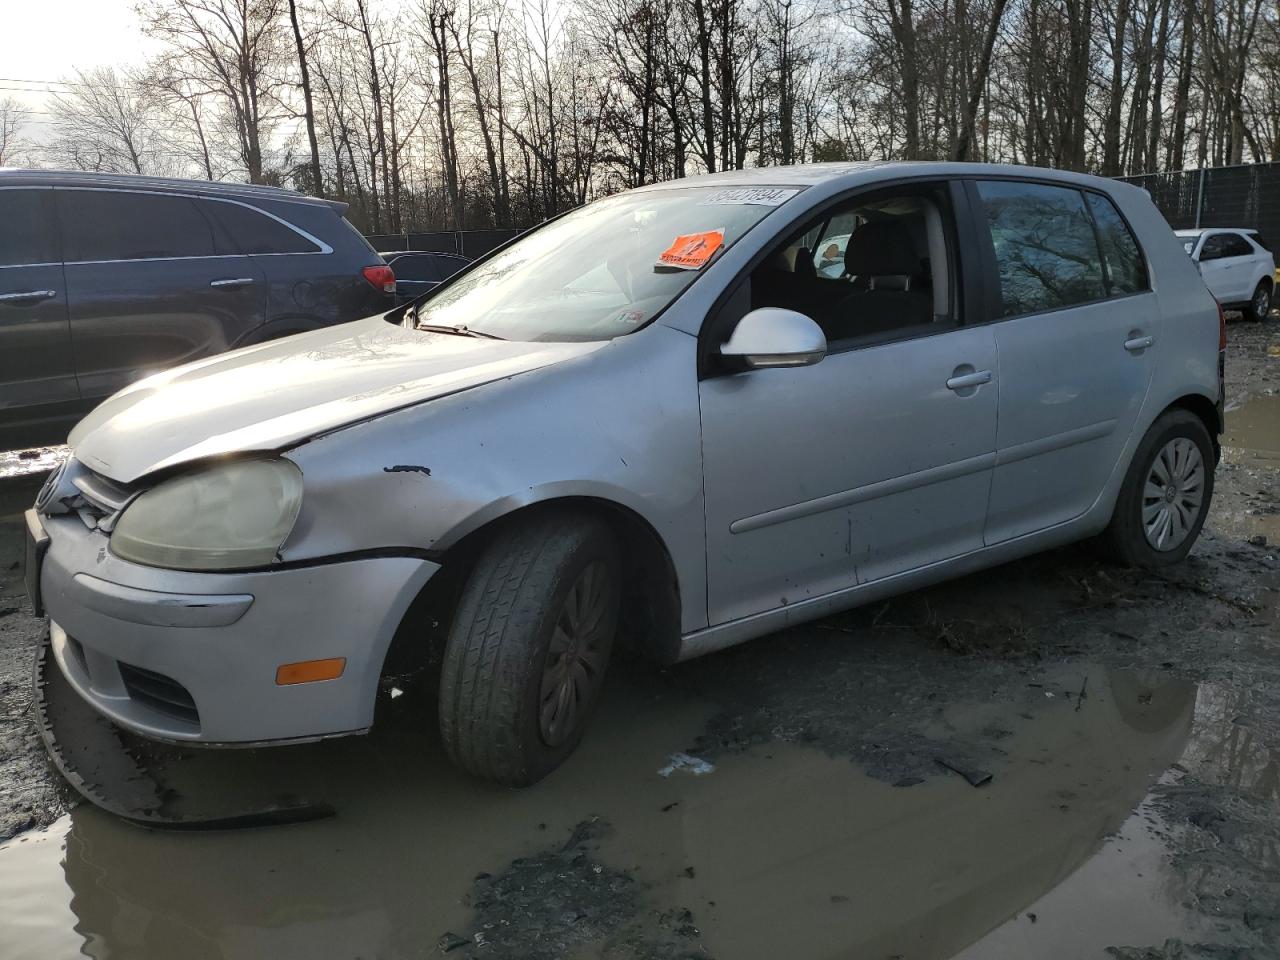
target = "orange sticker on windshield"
x: 692, y: 251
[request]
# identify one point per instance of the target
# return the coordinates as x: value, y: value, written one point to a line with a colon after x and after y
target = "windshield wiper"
x: 461, y: 330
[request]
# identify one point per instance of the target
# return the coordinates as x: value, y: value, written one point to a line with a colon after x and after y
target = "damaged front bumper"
x: 193, y: 657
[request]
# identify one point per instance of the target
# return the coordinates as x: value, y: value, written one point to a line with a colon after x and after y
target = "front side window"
x: 26, y: 235
x: 603, y: 270
x: 873, y: 268
x: 1046, y: 251
x: 1126, y: 272
x: 118, y: 225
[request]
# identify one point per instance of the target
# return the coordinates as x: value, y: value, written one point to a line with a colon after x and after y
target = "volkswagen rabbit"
x: 662, y: 420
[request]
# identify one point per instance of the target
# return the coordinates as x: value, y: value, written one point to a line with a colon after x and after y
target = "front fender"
x: 618, y: 425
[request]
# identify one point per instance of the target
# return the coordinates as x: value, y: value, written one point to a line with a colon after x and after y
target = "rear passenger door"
x: 1077, y: 331
x: 1240, y: 260
x: 152, y: 282
x: 37, y: 375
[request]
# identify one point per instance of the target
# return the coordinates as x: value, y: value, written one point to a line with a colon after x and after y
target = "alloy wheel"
x: 1261, y: 302
x: 577, y: 654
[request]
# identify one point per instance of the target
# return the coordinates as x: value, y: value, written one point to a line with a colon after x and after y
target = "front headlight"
x: 233, y: 515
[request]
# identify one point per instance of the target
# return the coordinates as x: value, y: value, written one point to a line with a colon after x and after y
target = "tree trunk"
x: 979, y: 82
x: 1115, y: 94
x: 317, y: 180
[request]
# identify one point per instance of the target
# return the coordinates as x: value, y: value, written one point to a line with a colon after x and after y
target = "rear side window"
x: 115, y: 225
x: 416, y: 268
x: 1046, y: 251
x: 254, y: 232
x: 1126, y: 272
x: 27, y: 234
x: 1261, y: 241
x: 1235, y: 245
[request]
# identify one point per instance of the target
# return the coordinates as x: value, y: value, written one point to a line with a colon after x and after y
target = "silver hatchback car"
x: 655, y: 421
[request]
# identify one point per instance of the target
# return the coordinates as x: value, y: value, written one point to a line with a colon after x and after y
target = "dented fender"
x: 420, y: 479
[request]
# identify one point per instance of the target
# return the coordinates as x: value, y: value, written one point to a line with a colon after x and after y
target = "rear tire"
x: 1259, y: 304
x: 1165, y: 496
x: 528, y: 647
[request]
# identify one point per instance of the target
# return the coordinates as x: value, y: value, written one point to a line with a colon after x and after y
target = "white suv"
x: 1237, y: 267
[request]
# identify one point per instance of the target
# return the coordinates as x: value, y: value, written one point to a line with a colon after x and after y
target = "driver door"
x: 876, y: 460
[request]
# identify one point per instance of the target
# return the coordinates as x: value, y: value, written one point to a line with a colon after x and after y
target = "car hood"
x: 277, y: 394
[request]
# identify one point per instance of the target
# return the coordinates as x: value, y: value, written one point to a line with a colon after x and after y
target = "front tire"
x: 1165, y: 496
x: 1260, y: 303
x: 528, y: 647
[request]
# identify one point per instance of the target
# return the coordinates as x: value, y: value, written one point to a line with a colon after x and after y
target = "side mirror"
x: 774, y: 337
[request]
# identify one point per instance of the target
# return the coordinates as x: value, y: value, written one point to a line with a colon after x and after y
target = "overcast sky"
x: 43, y: 41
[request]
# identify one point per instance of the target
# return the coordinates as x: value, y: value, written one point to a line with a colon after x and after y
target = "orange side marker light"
x: 309, y: 671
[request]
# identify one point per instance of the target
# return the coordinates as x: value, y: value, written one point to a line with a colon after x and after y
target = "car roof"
x: 420, y: 253
x: 18, y: 176
x: 869, y: 171
x: 1198, y: 231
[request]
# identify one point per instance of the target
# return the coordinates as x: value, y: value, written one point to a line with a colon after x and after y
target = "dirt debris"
x: 564, y: 899
x: 31, y: 795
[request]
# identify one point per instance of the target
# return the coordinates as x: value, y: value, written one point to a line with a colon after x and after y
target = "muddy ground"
x: 806, y: 795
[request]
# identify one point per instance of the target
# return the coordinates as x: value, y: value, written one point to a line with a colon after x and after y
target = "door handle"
x: 967, y: 380
x: 1134, y: 344
x: 28, y: 296
x: 232, y: 282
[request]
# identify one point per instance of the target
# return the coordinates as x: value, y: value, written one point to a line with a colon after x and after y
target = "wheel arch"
x: 1206, y: 410
x: 650, y: 618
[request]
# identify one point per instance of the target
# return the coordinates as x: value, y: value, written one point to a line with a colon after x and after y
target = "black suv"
x: 104, y: 279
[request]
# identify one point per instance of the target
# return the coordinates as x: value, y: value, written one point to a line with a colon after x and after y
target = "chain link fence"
x: 469, y: 243
x: 1241, y: 196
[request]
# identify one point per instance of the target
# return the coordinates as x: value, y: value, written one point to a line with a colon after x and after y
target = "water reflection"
x: 793, y: 853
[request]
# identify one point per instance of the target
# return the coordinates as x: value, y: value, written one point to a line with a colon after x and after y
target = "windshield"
x: 603, y: 270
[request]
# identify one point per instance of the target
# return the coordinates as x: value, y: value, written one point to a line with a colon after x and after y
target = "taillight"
x: 382, y: 277
x: 1222, y: 329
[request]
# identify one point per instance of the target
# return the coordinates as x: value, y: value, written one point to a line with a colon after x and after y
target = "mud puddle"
x: 780, y: 850
x: 1251, y: 456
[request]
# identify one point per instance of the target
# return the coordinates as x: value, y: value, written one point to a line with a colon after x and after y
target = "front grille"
x: 100, y: 500
x: 160, y: 693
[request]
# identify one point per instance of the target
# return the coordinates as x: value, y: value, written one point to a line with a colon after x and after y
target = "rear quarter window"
x: 1126, y: 271
x: 256, y: 233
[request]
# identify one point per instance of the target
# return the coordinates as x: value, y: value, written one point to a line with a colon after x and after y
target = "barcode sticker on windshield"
x: 692, y: 251
x: 759, y: 196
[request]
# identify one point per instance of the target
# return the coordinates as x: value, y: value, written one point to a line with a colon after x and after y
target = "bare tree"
x: 477, y: 113
x: 308, y: 105
x: 107, y: 121
x: 229, y: 48
x: 13, y: 145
